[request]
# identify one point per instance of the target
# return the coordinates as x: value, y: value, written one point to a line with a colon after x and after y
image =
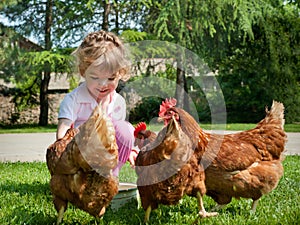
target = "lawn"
x: 34, y: 128
x: 25, y: 198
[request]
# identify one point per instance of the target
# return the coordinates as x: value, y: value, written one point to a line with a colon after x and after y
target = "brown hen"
x: 247, y: 164
x: 81, y: 166
x: 167, y: 168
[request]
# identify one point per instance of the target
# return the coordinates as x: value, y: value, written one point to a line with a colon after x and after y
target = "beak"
x: 176, y: 122
x: 173, y: 122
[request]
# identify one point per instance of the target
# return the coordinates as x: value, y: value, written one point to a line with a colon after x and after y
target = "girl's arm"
x: 62, y: 127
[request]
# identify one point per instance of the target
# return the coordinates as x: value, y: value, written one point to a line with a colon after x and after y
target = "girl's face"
x: 100, y: 83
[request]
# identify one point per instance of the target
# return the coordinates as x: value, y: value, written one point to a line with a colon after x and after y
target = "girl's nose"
x: 102, y: 82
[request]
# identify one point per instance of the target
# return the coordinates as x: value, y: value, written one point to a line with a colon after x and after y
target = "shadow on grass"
x: 25, y: 189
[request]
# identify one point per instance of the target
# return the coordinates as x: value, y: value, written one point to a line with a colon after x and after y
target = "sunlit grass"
x: 27, y: 128
x: 245, y: 126
x: 34, y: 128
x: 25, y: 198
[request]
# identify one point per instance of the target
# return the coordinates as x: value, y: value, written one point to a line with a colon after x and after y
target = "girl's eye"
x: 111, y: 78
x: 94, y: 78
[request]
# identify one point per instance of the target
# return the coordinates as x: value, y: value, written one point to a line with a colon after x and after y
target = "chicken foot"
x: 202, y: 211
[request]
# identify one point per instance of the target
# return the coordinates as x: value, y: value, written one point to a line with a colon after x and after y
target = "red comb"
x: 165, y: 105
x: 140, y: 126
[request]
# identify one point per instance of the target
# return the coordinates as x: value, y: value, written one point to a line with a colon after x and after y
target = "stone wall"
x: 9, y: 115
x: 6, y: 109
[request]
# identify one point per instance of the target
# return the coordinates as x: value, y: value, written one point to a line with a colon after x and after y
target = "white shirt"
x: 78, y: 105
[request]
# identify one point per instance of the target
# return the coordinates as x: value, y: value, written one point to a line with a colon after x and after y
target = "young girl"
x: 101, y: 61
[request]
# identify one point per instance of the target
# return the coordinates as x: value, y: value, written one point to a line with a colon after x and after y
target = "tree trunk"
x: 44, y: 103
x: 181, y: 93
x: 106, y: 12
x: 181, y: 90
x: 116, y: 9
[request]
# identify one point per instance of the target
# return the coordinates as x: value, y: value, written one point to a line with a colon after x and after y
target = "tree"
x: 189, y: 24
x: 44, y: 103
x: 106, y: 12
x: 230, y: 35
x: 36, y: 18
x: 255, y: 72
x: 39, y: 70
x: 71, y: 22
x: 239, y: 39
x: 65, y: 29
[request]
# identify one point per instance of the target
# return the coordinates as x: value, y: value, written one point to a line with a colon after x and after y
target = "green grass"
x: 27, y: 128
x: 246, y: 126
x: 25, y: 198
x: 33, y: 128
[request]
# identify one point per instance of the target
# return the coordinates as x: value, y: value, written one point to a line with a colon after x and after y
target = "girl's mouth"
x: 102, y: 91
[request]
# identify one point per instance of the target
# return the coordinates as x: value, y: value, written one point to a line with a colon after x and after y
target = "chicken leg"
x: 254, y: 205
x: 60, y: 215
x: 147, y: 214
x: 202, y: 211
x: 60, y: 206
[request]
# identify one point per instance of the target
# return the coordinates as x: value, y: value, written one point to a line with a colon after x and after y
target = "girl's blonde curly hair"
x: 105, y: 49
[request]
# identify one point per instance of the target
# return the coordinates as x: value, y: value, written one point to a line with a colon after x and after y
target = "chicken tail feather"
x: 270, y: 133
x: 276, y: 113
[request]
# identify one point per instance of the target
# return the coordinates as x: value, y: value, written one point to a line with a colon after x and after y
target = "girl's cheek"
x: 92, y: 85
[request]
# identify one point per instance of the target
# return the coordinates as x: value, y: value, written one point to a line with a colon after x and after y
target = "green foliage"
x: 254, y: 45
x: 5, y: 3
x: 72, y: 21
x: 146, y: 110
x: 187, y: 22
x: 153, y: 87
x: 60, y: 63
x: 26, y: 199
x: 133, y: 36
x: 257, y: 71
x: 25, y: 70
x: 18, y: 71
x: 67, y: 28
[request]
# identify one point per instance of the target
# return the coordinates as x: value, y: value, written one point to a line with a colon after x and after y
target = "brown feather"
x: 247, y: 164
x: 167, y: 169
x: 81, y: 166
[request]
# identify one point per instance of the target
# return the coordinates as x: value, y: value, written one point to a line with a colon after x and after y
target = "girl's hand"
x: 132, y: 157
x: 105, y: 102
x: 62, y: 127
